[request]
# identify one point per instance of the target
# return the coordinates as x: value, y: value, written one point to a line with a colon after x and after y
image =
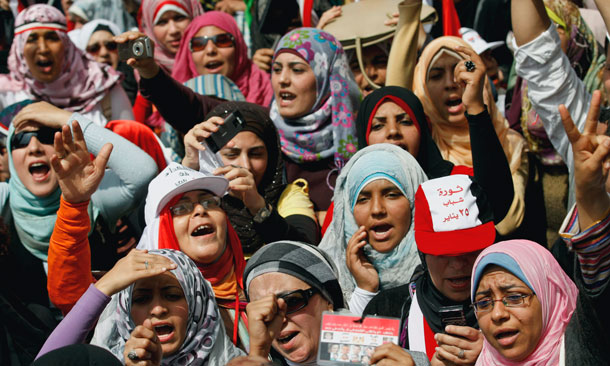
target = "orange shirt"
x: 69, y: 260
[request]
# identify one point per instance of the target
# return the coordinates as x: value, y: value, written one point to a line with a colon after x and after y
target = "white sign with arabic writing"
x: 452, y: 205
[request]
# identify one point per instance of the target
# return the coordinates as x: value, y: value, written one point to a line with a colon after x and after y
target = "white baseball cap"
x: 479, y: 45
x: 176, y: 179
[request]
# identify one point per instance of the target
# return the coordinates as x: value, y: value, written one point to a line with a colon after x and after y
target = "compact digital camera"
x: 138, y: 48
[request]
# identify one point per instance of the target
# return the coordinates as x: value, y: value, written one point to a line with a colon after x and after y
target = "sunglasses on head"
x: 22, y: 139
x: 223, y: 40
x: 298, y: 299
x: 96, y: 47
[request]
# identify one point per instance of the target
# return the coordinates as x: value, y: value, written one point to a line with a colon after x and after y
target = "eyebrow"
x: 503, y: 288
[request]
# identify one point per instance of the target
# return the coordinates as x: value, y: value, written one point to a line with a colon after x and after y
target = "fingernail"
x: 607, y: 143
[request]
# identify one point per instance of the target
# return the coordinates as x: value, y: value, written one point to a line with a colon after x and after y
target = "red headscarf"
x: 142, y: 136
x: 231, y: 259
x: 254, y: 83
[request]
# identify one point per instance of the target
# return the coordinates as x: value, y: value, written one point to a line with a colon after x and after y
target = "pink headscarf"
x: 82, y: 84
x: 151, y: 10
x: 254, y: 83
x: 555, y: 291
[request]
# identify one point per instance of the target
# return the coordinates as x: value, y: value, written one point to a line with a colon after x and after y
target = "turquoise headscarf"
x: 378, y: 161
x: 34, y: 216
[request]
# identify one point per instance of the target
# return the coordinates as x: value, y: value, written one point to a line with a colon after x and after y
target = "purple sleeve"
x: 79, y: 321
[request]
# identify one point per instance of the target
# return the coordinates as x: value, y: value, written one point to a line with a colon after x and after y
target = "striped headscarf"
x: 206, y: 342
x: 300, y: 260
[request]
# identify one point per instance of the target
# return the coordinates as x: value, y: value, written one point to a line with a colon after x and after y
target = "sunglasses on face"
x: 224, y: 40
x: 22, y: 139
x: 96, y: 47
x: 298, y: 299
x: 186, y: 207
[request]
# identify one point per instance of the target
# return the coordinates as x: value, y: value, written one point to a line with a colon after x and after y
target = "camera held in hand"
x: 138, y: 48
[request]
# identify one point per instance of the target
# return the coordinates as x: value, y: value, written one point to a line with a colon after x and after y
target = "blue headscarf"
x: 33, y: 216
x: 378, y: 161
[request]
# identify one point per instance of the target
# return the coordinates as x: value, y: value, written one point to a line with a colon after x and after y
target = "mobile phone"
x: 452, y: 315
x: 232, y: 125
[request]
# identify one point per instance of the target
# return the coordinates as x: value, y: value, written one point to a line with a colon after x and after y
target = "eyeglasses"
x: 96, y: 47
x: 298, y: 299
x: 223, y: 40
x: 22, y: 139
x: 186, y: 207
x: 511, y: 301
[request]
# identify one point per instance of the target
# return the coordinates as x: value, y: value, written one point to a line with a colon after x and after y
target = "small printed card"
x: 346, y: 340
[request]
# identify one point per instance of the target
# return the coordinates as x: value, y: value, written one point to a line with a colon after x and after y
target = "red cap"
x: 452, y: 217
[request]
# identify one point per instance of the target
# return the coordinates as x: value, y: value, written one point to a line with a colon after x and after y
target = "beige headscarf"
x: 453, y: 139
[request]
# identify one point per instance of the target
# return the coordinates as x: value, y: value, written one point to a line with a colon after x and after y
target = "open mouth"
x: 45, y: 65
x: 286, y: 96
x: 39, y: 171
x: 454, y: 105
x: 459, y: 282
x: 202, y: 230
x: 381, y: 232
x: 164, y: 332
x: 285, y: 338
x: 213, y: 65
x: 507, y: 338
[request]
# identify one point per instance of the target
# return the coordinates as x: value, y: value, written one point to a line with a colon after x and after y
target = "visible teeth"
x: 36, y: 165
x: 285, y: 95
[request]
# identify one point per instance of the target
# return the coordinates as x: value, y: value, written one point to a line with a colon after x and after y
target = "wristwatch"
x: 262, y: 214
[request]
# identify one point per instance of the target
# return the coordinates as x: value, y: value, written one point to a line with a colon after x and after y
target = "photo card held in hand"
x: 348, y: 339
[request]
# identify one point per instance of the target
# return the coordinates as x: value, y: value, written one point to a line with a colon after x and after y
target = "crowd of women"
x: 452, y: 156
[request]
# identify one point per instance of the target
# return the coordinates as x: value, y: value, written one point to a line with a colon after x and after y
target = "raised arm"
x: 403, y: 53
x: 180, y: 106
x: 529, y: 20
x: 604, y: 8
x: 69, y: 260
x: 586, y: 229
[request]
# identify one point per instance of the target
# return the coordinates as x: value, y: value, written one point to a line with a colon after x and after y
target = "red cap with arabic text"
x: 452, y: 217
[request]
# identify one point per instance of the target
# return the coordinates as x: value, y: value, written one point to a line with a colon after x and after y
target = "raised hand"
x: 265, y: 319
x: 147, y: 67
x: 390, y: 354
x: 78, y: 176
x: 591, y: 153
x: 458, y: 341
x: 364, y: 273
x: 145, y: 345
x: 328, y: 16
x: 472, y: 82
x: 136, y: 265
x: 243, y: 186
x: 262, y: 58
x: 41, y: 113
x: 194, y: 138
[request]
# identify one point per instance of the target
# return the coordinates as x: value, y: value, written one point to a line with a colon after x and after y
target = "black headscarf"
x: 430, y: 301
x: 273, y: 182
x: 428, y: 156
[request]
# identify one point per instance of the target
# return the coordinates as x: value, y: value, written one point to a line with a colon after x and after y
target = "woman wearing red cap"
x: 453, y: 223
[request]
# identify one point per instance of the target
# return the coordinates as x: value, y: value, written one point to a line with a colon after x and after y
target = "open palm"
x: 78, y: 175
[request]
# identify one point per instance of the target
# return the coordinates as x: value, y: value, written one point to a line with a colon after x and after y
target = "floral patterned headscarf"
x: 329, y: 129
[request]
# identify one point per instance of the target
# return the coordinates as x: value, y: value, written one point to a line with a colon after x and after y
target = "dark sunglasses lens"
x: 22, y: 139
x: 224, y: 40
x: 93, y: 48
x: 110, y: 45
x: 294, y: 302
x: 46, y: 136
x: 198, y: 44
